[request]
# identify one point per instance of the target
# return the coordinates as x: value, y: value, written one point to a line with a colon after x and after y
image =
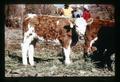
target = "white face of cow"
x: 81, y: 25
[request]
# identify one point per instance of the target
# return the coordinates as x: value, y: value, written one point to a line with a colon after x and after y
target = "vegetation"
x: 48, y: 60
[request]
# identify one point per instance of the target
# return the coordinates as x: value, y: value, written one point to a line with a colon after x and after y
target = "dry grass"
x: 48, y: 61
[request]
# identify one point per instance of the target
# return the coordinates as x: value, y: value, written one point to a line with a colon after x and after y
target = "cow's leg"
x: 67, y: 55
x: 86, y: 46
x: 24, y: 53
x: 25, y: 47
x: 32, y: 43
x: 28, y: 48
x: 67, y: 50
x: 31, y: 54
x: 89, y: 50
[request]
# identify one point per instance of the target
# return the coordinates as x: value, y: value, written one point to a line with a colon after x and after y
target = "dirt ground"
x: 47, y: 59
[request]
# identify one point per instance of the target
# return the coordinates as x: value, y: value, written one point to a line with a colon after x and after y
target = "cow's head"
x: 81, y: 25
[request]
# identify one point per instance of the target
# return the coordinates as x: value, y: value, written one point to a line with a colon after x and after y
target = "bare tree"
x: 14, y: 14
x: 45, y: 9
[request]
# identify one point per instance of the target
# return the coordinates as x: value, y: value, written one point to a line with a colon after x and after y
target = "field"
x: 48, y: 59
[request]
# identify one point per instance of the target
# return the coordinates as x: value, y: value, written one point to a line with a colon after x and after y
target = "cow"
x: 48, y: 28
x: 100, y: 39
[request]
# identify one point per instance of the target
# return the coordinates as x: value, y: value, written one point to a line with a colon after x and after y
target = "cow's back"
x: 48, y: 27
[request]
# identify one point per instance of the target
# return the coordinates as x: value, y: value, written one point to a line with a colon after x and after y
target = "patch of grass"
x: 48, y: 61
x: 48, y: 64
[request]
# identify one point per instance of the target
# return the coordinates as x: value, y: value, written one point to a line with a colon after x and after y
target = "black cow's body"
x: 105, y: 47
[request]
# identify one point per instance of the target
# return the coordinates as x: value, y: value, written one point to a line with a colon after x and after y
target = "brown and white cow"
x: 101, y: 35
x: 91, y: 34
x: 49, y: 28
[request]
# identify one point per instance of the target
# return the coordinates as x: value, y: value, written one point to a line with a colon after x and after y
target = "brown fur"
x: 47, y: 27
x: 92, y: 30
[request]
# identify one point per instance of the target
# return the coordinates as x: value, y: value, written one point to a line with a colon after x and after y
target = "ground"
x: 48, y: 60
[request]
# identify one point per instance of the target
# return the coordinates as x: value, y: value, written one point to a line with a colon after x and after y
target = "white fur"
x: 58, y: 22
x: 81, y: 25
x: 30, y: 28
x: 67, y: 54
x: 41, y: 39
x: 56, y: 41
x: 27, y: 34
x: 31, y: 54
x: 24, y: 54
x: 71, y: 25
x: 29, y: 38
x: 27, y: 47
x: 30, y: 15
x: 91, y: 43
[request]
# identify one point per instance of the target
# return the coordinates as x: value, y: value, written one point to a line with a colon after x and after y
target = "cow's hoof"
x: 67, y: 62
x: 32, y: 65
x: 25, y: 64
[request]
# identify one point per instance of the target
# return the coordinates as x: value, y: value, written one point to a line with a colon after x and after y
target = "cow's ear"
x: 90, y: 21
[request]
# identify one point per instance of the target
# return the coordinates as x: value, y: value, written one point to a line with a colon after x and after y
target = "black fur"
x: 75, y: 37
x: 105, y: 47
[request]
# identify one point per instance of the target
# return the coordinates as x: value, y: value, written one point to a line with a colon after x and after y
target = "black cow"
x: 105, y: 47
